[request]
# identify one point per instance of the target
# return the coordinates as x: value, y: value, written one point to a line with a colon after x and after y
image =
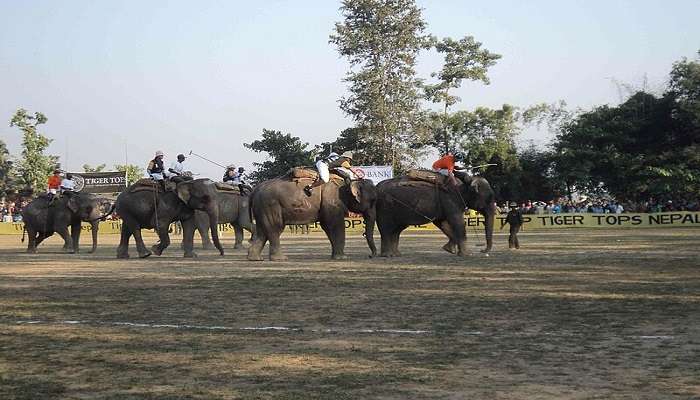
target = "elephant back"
x: 302, y: 173
x: 145, y: 184
x: 426, y: 176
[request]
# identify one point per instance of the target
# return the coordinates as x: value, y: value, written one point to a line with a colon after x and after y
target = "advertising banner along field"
x: 473, y: 221
x: 377, y: 173
x: 99, y: 182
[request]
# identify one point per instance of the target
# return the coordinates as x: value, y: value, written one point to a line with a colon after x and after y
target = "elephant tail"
x: 24, y: 230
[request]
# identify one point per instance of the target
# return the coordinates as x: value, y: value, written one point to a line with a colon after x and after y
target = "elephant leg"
x: 140, y: 246
x: 458, y: 234
x: 67, y: 240
x: 188, y: 228
x: 336, y: 235
x: 385, y: 232
x: 446, y: 228
x: 238, y: 230
x: 395, y: 237
x: 32, y: 234
x: 75, y: 236
x: 123, y: 249
x: 164, y: 241
x: 256, y: 247
x: 273, y: 235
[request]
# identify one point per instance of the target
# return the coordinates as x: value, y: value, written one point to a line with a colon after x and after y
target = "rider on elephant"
x: 446, y: 166
x: 54, y: 184
x: 230, y: 174
x: 68, y: 184
x: 156, y: 170
x: 177, y: 167
x: 340, y: 164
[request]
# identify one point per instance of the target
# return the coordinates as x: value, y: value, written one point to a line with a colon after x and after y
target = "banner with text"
x: 99, y: 182
x: 537, y: 222
x: 377, y: 173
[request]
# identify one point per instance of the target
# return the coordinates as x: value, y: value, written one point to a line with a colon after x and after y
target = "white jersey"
x: 177, y: 167
x: 67, y: 185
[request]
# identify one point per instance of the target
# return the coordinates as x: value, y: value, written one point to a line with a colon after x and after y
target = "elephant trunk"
x: 370, y: 219
x: 489, y: 221
x: 214, y: 228
x: 95, y: 228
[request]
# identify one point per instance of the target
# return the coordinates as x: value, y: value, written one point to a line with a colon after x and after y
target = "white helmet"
x: 159, y: 153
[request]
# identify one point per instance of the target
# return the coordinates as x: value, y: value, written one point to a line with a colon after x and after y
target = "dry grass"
x: 575, y: 314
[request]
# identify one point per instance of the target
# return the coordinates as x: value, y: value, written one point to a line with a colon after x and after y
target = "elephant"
x: 143, y: 206
x: 282, y: 201
x: 402, y: 202
x: 42, y: 218
x: 234, y: 209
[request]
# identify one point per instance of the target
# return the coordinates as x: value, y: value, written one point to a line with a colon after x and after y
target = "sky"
x: 119, y: 80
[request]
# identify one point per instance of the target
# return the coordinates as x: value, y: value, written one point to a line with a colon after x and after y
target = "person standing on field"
x: 515, y: 220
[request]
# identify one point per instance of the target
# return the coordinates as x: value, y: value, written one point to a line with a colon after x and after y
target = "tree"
x: 6, y: 171
x: 90, y: 168
x: 684, y: 92
x: 381, y: 39
x: 284, y: 152
x: 464, y: 59
x: 35, y: 166
x: 133, y: 172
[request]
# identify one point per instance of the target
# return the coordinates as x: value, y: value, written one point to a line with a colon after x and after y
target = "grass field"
x: 575, y: 314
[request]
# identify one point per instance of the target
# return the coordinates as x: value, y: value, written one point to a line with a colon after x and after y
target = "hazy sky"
x: 207, y: 76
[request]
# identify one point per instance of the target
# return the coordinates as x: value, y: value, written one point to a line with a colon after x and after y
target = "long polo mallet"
x: 206, y: 159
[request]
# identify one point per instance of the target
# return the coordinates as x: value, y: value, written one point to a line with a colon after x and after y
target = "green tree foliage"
x: 537, y: 177
x: 643, y: 148
x: 97, y: 168
x: 6, y: 171
x: 684, y: 92
x: 381, y: 39
x: 133, y: 172
x: 487, y: 136
x: 463, y: 59
x: 284, y: 152
x: 34, y: 167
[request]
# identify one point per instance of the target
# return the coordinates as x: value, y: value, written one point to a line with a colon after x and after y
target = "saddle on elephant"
x: 298, y: 174
x: 147, y: 184
x: 427, y: 175
x: 235, y: 189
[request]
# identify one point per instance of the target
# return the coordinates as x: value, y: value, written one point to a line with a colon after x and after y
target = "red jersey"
x: 54, y: 182
x: 447, y: 162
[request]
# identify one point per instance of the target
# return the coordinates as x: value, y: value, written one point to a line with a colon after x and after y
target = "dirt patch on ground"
x: 574, y: 314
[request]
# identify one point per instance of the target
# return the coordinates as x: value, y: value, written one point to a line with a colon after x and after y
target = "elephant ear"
x: 73, y: 204
x: 184, y: 191
x: 356, y: 191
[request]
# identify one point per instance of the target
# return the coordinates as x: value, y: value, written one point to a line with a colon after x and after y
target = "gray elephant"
x: 145, y: 205
x: 404, y: 201
x: 234, y: 209
x: 41, y: 220
x: 282, y: 201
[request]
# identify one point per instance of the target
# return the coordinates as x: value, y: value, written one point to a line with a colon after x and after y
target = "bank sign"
x: 377, y: 173
x: 99, y: 182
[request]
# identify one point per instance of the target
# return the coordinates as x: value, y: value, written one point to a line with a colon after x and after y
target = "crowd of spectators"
x: 11, y: 211
x: 565, y: 206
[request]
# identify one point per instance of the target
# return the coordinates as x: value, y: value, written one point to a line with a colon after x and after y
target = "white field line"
x: 327, y: 330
